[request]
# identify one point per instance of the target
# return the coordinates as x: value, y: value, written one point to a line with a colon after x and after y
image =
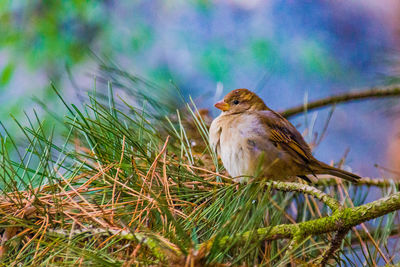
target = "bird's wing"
x: 285, y: 136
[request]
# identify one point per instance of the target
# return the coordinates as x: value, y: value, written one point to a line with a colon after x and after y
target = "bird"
x: 252, y: 140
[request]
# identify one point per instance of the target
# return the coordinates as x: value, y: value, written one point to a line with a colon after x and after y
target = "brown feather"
x: 282, y: 132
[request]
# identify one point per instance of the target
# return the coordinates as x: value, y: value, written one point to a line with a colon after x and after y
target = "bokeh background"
x: 287, y: 51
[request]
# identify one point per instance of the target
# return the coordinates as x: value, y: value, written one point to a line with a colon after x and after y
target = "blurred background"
x: 287, y: 51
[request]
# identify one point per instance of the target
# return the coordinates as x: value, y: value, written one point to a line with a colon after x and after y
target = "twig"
x: 306, y: 189
x: 296, y: 241
x: 322, y: 260
x: 375, y: 92
x: 364, y: 181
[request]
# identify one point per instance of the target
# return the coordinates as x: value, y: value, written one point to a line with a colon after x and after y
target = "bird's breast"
x: 239, y: 147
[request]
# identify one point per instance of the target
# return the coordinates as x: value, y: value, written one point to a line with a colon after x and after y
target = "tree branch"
x: 339, y: 220
x: 375, y: 92
x: 322, y: 260
x: 309, y: 190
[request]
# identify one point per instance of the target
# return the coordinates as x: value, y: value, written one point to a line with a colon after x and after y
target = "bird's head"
x: 240, y: 100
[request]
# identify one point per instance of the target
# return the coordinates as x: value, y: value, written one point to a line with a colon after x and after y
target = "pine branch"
x: 309, y: 190
x: 341, y: 219
x: 372, y: 93
x: 161, y: 248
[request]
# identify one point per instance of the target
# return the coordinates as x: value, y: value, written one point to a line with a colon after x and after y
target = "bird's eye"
x: 235, y: 102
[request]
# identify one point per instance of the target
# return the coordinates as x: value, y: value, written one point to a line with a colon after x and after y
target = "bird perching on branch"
x: 253, y: 140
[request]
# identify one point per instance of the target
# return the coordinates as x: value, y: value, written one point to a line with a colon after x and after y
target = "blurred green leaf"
x: 6, y: 74
x: 216, y: 61
x: 316, y: 60
x: 142, y: 37
x: 263, y: 50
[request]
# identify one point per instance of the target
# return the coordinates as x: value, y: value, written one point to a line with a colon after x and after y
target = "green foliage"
x: 6, y: 74
x: 51, y: 31
x: 265, y: 52
x: 317, y: 61
x: 123, y: 185
x: 216, y: 61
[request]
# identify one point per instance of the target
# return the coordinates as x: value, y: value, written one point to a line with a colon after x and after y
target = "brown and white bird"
x: 253, y: 140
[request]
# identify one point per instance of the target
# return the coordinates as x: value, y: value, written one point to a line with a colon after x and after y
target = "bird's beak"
x: 222, y: 105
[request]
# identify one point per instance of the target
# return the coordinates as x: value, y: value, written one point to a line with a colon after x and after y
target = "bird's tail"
x: 326, y: 169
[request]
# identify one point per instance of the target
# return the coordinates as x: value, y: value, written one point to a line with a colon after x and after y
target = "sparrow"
x: 253, y: 141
